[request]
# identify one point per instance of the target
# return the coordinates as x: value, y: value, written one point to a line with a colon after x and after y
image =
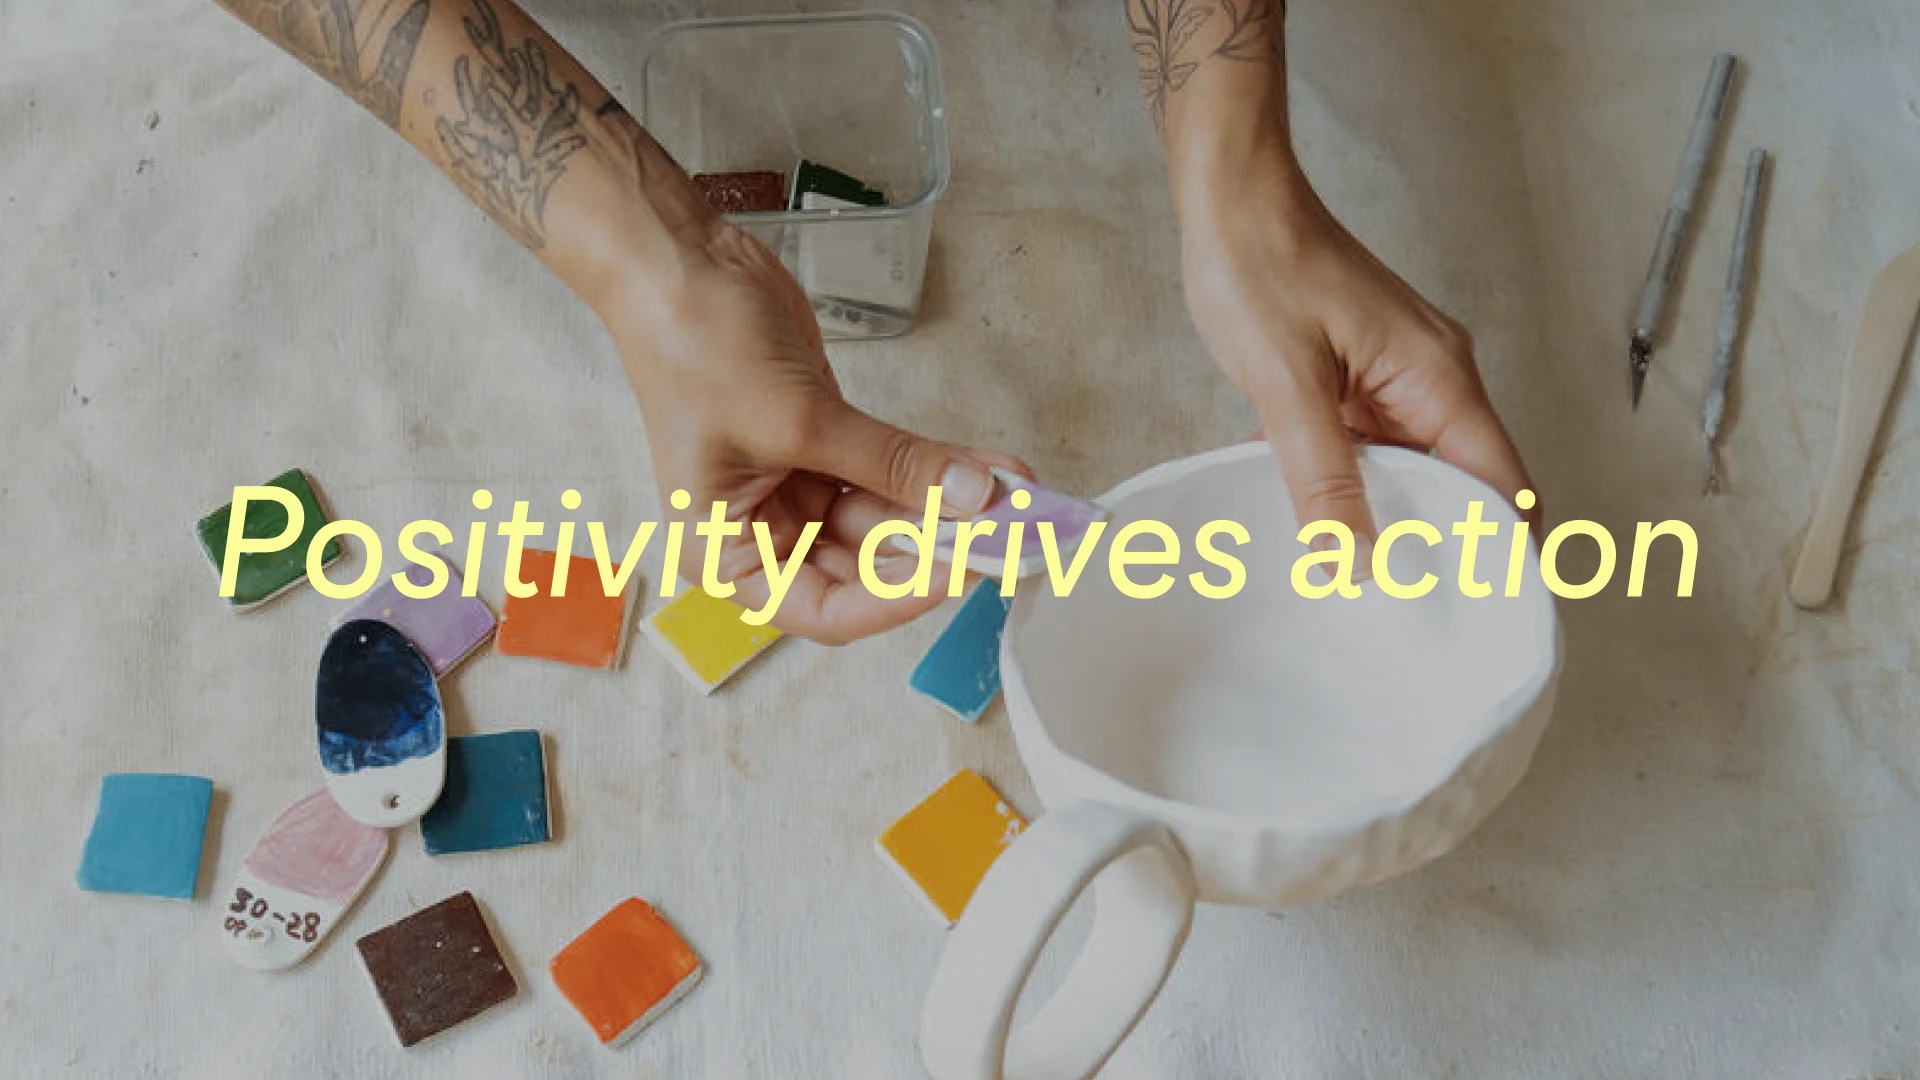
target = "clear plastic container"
x: 858, y: 92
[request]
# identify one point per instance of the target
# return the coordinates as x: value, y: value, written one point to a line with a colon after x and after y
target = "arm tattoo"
x: 1160, y: 33
x: 364, y: 47
x: 517, y: 131
x: 1251, y: 33
x: 1164, y: 31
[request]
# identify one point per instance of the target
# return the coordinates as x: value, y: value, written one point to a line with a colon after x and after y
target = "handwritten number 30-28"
x: 305, y: 927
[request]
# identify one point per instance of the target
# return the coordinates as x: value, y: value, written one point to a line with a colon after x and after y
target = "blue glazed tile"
x: 376, y: 702
x: 495, y: 795
x: 147, y: 835
x: 962, y: 670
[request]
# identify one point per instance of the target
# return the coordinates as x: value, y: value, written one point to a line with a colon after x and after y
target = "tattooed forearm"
x: 1170, y: 40
x: 1252, y: 29
x: 1161, y: 30
x: 517, y: 129
x: 364, y: 47
x: 487, y: 96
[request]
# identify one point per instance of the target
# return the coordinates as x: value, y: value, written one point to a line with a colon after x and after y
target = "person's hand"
x: 1331, y: 346
x: 742, y: 407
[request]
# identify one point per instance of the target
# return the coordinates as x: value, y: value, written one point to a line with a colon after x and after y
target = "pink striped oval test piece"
x: 303, y: 874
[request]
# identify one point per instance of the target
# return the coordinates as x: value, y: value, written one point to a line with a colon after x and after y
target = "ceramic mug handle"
x: 1143, y: 905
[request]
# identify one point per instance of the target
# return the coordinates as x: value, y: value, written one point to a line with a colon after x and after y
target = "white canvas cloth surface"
x: 1711, y: 871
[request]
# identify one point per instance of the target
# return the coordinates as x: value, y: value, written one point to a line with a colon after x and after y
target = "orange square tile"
x: 625, y: 971
x: 585, y: 627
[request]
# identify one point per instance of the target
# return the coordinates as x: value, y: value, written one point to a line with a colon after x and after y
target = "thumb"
x: 899, y: 466
x: 1318, y: 460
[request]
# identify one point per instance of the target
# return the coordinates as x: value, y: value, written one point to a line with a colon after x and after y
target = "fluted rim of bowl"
x: 1032, y: 739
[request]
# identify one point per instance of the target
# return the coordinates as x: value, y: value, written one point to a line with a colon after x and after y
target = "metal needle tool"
x: 1679, y: 220
x: 1726, y: 341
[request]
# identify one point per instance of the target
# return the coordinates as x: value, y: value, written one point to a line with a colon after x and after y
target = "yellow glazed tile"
x: 705, y: 638
x: 943, y: 847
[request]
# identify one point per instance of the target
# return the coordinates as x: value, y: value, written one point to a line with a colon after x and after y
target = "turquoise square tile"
x: 147, y: 835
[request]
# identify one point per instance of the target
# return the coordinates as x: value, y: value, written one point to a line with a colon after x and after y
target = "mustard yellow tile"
x: 943, y: 847
x: 705, y: 638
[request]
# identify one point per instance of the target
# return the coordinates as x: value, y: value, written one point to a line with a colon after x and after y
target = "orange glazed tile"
x: 585, y: 627
x: 625, y: 971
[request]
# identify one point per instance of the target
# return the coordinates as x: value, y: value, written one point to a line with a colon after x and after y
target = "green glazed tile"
x: 264, y: 575
x: 811, y: 177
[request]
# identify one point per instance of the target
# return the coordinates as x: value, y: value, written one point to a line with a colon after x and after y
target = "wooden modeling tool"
x: 625, y: 971
x: 306, y: 870
x: 436, y: 968
x: 445, y: 628
x: 267, y: 574
x: 1886, y: 331
x: 943, y: 847
x: 962, y: 670
x: 585, y: 627
x: 705, y: 638
x: 147, y: 834
x: 381, y: 732
x: 495, y: 795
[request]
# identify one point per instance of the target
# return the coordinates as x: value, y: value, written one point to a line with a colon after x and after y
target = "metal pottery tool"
x: 1665, y: 269
x: 1885, y: 331
x: 1733, y: 308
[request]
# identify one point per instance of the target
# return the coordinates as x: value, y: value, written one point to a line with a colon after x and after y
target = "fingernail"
x: 1362, y: 559
x: 1322, y: 572
x: 964, y: 489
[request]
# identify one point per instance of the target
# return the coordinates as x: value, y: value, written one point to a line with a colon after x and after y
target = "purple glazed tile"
x: 446, y: 629
x: 1071, y: 519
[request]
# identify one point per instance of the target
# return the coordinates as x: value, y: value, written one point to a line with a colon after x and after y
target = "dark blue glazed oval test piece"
x: 382, y: 735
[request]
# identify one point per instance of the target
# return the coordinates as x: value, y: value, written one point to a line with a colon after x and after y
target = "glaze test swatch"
x: 303, y: 874
x: 436, y: 968
x: 1071, y: 519
x: 625, y: 970
x: 962, y: 670
x: 265, y: 575
x: 147, y: 835
x: 495, y: 795
x: 944, y: 846
x: 586, y: 627
x: 382, y: 737
x: 446, y: 628
x: 705, y: 638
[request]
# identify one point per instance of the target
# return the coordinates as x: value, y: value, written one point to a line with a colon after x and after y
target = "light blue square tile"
x: 147, y: 835
x: 962, y: 670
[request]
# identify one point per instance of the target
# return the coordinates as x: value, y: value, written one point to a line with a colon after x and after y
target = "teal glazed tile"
x: 495, y: 795
x: 962, y: 670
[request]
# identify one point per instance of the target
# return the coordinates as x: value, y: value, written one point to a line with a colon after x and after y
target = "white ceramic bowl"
x: 1296, y: 747
x: 1267, y: 749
